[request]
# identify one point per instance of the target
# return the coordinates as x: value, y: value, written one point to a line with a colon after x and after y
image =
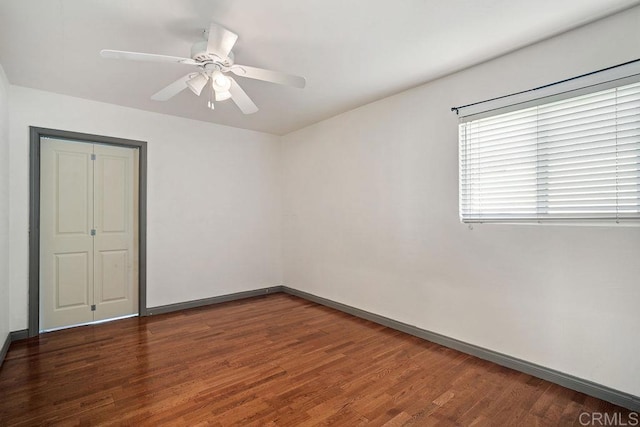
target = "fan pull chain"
x: 210, y: 102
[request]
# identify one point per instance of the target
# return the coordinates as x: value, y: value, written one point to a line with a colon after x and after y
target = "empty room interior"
x: 294, y: 213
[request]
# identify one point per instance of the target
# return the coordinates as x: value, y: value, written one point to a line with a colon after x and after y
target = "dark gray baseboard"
x: 11, y: 337
x: 5, y: 348
x: 22, y: 334
x: 151, y: 311
x: 617, y: 397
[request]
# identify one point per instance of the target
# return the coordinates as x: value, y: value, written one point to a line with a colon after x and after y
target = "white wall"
x: 4, y: 207
x: 371, y: 220
x: 214, y: 200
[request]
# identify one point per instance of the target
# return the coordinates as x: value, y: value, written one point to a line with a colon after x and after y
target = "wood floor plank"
x: 275, y: 360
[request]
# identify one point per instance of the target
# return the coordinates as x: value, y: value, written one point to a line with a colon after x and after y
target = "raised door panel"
x: 71, y: 280
x: 113, y: 271
x: 66, y: 244
x: 114, y: 194
x: 72, y: 196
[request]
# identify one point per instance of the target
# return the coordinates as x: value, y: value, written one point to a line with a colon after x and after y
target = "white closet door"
x: 66, y: 244
x: 88, y: 233
x: 116, y: 286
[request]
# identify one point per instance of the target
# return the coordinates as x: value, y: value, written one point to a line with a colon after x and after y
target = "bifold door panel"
x: 114, y: 243
x: 88, y: 252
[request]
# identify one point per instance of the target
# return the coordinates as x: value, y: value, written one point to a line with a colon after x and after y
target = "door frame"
x: 35, y: 135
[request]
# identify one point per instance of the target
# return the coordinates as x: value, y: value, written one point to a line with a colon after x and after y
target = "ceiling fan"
x: 214, y: 59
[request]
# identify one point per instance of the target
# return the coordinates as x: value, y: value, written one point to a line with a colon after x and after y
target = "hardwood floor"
x: 273, y: 360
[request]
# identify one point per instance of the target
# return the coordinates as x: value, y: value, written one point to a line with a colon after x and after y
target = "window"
x: 576, y: 158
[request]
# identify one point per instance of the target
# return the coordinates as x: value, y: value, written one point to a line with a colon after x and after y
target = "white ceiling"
x: 351, y: 51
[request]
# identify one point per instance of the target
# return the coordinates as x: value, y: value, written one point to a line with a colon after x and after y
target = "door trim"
x: 35, y: 134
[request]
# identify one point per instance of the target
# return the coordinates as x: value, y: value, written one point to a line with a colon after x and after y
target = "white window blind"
x: 573, y: 159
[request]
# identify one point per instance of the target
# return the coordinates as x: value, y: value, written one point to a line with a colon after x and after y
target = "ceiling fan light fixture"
x: 222, y: 81
x: 222, y: 95
x: 197, y: 83
x: 221, y: 85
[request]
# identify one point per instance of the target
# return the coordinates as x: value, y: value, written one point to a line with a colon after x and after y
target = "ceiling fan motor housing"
x: 199, y: 53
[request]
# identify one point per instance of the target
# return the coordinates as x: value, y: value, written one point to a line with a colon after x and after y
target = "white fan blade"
x: 220, y: 40
x: 173, y: 89
x: 137, y: 56
x: 240, y: 97
x: 268, y: 76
